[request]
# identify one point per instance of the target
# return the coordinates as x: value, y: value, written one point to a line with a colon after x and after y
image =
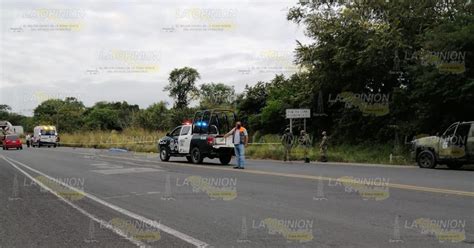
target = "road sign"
x: 298, y: 113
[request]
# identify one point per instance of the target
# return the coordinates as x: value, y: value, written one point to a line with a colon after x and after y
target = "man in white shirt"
x: 240, y: 139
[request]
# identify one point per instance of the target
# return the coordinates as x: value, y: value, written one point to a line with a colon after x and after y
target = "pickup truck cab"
x: 455, y: 147
x: 203, y: 138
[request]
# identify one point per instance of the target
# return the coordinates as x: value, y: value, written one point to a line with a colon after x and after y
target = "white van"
x: 44, y: 136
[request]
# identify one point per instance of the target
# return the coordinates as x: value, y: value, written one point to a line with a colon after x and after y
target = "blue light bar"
x: 201, y: 124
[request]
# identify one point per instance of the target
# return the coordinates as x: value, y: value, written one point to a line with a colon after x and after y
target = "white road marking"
x: 116, y: 196
x: 99, y: 164
x: 125, y: 171
x: 159, y: 226
x: 100, y: 221
x: 109, y: 166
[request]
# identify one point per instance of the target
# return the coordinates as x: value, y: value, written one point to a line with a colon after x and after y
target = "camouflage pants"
x: 324, y: 151
x: 287, y: 153
x: 324, y: 154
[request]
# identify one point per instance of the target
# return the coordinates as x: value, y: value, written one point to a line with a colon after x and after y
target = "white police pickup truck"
x: 203, y: 138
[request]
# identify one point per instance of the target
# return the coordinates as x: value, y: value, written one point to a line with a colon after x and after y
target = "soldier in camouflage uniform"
x: 306, y: 143
x: 323, y: 147
x: 287, y: 142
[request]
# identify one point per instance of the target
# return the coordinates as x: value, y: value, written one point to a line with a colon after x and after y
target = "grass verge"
x: 139, y: 140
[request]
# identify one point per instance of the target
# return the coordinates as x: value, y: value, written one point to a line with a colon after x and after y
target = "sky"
x: 114, y: 50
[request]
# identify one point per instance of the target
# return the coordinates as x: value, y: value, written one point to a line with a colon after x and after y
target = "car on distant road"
x: 203, y: 138
x: 455, y: 147
x: 12, y: 141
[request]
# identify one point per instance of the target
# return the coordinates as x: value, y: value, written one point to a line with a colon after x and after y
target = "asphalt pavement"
x: 66, y: 197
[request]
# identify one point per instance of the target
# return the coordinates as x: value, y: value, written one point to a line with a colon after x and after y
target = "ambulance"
x: 45, y: 136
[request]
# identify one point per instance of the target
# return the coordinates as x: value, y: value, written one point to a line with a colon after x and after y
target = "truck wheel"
x: 164, y: 154
x: 190, y: 160
x: 196, y: 156
x: 426, y: 159
x: 454, y: 166
x: 225, y: 158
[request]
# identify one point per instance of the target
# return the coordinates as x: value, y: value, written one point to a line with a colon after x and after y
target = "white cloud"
x: 63, y: 62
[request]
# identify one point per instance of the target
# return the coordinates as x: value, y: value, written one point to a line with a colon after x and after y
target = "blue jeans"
x: 240, y: 154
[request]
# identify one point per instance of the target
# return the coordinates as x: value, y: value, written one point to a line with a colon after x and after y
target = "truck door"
x: 184, y: 139
x: 453, y: 142
x: 173, y: 142
x: 444, y: 141
x: 470, y: 143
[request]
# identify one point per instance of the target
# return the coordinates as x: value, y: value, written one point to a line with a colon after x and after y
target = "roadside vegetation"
x: 267, y: 147
x: 372, y: 154
x: 137, y: 140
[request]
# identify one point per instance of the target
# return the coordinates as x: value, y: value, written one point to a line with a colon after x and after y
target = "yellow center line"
x: 311, y: 177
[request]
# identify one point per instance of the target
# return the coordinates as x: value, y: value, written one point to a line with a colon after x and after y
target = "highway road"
x: 66, y: 197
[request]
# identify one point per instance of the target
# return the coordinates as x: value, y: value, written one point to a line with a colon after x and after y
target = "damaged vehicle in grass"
x: 454, y: 148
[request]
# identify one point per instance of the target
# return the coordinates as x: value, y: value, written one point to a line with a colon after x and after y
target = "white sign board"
x: 298, y: 113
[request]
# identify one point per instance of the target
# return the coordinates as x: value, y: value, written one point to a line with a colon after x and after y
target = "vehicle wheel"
x: 454, y: 166
x: 21, y: 148
x: 190, y: 160
x: 3, y: 148
x: 225, y: 158
x: 196, y: 156
x: 426, y: 159
x: 164, y: 154
x: 55, y: 146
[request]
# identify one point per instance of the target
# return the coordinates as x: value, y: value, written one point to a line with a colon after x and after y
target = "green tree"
x: 66, y: 115
x: 178, y: 116
x: 182, y: 86
x: 214, y: 95
x: 126, y: 114
x: 4, y: 111
x: 103, y: 119
x: 356, y: 46
x: 155, y: 117
x: 250, y: 104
